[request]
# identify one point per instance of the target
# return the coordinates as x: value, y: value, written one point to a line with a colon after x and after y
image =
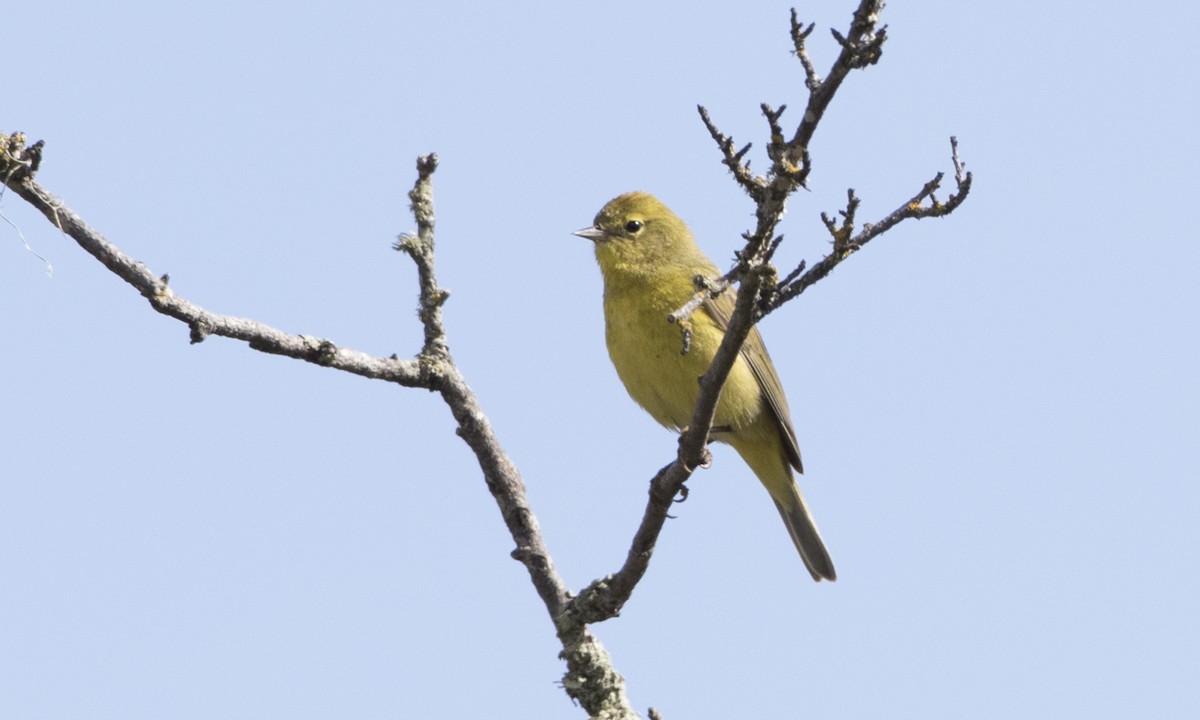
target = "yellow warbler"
x: 648, y: 258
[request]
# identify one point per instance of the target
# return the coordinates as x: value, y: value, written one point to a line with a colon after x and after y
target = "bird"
x: 648, y: 259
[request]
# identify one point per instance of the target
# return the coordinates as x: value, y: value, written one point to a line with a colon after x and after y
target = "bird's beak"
x: 590, y: 233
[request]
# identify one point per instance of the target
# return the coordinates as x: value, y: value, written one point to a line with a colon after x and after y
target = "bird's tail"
x: 761, y: 446
x: 806, y: 537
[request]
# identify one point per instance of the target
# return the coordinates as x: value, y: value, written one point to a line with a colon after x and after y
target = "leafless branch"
x: 733, y: 159
x: 420, y: 248
x: 846, y: 242
x: 861, y: 46
x: 18, y: 175
x: 799, y: 36
x: 590, y: 677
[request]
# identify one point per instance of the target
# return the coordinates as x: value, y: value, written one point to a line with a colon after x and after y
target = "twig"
x: 845, y: 242
x: 861, y: 46
x: 706, y: 288
x: 753, y: 184
x: 841, y: 235
x: 799, y: 35
x: 420, y: 247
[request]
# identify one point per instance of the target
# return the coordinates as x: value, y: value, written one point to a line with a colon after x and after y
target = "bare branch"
x: 841, y: 235
x: 788, y: 160
x: 861, y: 47
x: 959, y: 166
x: 846, y: 242
x: 791, y: 160
x: 201, y: 322
x: 420, y: 247
x: 776, y: 129
x: 705, y: 288
x: 604, y: 598
x: 799, y: 35
x: 590, y: 678
x: 753, y: 184
x: 19, y: 161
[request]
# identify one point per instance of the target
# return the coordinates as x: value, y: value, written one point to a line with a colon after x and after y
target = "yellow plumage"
x: 648, y: 258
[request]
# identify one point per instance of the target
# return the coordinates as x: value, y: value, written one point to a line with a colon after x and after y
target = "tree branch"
x: 18, y: 175
x: 861, y: 46
x: 845, y: 242
x: 751, y: 183
x: 590, y: 678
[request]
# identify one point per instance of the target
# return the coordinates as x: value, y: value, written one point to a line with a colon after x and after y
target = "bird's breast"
x: 648, y: 354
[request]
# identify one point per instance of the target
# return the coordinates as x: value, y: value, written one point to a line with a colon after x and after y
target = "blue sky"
x: 998, y: 411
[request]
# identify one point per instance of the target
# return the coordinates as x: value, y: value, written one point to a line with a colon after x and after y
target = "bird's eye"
x: 633, y: 226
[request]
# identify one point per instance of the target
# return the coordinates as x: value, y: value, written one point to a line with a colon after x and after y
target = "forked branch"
x: 590, y: 678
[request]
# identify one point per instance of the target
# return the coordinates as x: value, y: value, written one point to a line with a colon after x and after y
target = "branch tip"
x: 19, y: 162
x: 426, y: 166
x: 733, y: 159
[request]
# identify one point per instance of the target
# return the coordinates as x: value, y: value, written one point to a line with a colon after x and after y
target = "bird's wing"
x: 755, y: 353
